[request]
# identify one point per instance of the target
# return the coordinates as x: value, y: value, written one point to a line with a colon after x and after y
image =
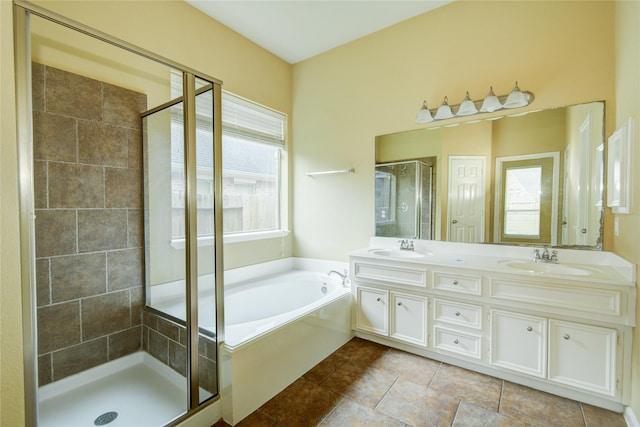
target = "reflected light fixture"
x: 468, y: 107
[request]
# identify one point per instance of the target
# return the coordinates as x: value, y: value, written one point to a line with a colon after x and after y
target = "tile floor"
x: 367, y: 384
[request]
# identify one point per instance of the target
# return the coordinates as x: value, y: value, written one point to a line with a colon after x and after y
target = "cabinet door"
x: 518, y: 342
x: 409, y: 318
x: 583, y: 356
x: 372, y: 312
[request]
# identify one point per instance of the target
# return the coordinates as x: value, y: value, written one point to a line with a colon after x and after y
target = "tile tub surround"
x: 366, y: 384
x: 88, y: 196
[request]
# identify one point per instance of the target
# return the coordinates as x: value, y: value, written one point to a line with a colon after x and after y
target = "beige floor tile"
x: 352, y: 414
x: 359, y: 382
x: 539, y: 408
x: 470, y: 415
x: 598, y: 417
x: 417, y: 369
x: 302, y: 404
x: 363, y: 351
x: 418, y: 405
x: 324, y: 369
x: 479, y: 389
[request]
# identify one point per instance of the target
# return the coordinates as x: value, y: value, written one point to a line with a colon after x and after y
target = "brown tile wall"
x: 167, y: 341
x: 89, y: 233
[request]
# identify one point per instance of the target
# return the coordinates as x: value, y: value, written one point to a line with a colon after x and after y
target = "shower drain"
x: 105, y: 418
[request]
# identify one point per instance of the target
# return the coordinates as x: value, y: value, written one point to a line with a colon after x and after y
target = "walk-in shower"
x: 120, y: 186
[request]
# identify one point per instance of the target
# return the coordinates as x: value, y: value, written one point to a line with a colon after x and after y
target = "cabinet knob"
x: 566, y: 336
x: 583, y: 231
x: 529, y: 328
x: 456, y: 341
x: 399, y: 302
x: 378, y: 299
x: 457, y: 313
x: 455, y: 282
x: 455, y: 221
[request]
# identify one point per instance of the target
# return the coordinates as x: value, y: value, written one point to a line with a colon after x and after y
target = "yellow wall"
x: 174, y: 30
x: 344, y: 98
x: 627, y: 78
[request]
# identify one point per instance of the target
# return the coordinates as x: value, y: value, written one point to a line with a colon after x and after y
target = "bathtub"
x: 281, y: 319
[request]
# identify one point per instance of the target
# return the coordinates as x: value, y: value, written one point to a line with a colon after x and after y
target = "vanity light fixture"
x: 468, y: 107
x: 424, y: 115
x: 490, y: 103
x: 444, y: 111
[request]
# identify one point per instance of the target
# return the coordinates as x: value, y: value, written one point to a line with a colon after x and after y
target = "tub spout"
x: 343, y: 276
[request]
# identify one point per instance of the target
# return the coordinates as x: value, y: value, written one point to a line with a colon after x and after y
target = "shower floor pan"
x: 135, y: 390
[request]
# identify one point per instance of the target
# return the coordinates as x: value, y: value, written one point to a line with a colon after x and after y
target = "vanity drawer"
x: 459, y: 314
x: 458, y: 342
x: 459, y: 283
x: 580, y: 298
x: 391, y: 274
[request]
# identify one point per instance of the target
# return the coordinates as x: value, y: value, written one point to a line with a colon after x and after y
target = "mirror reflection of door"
x: 527, y: 199
x: 466, y: 199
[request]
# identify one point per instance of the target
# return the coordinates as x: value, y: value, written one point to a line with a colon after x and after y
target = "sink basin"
x: 395, y: 253
x: 539, y: 267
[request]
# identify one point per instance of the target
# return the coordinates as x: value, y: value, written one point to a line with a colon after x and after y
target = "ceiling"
x: 295, y: 30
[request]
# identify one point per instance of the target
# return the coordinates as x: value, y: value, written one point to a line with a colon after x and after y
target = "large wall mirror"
x: 530, y: 179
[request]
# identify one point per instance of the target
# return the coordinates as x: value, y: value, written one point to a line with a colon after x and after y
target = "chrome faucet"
x: 546, y: 256
x: 406, y: 245
x: 343, y: 276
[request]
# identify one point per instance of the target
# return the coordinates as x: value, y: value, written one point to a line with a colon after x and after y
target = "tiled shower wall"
x: 89, y: 221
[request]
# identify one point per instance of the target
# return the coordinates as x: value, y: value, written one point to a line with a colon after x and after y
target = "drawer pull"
x: 456, y: 341
x: 455, y: 282
x: 566, y: 336
x: 457, y: 313
x: 529, y: 328
x: 399, y: 303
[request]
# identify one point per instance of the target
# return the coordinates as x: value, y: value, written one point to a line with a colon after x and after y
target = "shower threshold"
x: 135, y: 390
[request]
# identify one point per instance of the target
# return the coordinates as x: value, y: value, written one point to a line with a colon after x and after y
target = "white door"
x: 372, y: 313
x: 583, y: 356
x: 409, y: 318
x: 465, y: 212
x: 518, y: 342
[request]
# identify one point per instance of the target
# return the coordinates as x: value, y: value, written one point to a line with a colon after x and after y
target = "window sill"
x: 233, y: 238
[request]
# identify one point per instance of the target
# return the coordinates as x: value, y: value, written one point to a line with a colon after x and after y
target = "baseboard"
x: 630, y: 417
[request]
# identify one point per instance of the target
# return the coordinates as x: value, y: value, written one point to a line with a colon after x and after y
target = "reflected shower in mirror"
x: 531, y: 179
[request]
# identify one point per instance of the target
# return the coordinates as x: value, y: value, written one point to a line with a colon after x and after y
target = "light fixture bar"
x: 468, y: 107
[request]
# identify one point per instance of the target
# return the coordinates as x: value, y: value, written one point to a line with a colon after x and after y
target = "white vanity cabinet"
x: 519, y: 342
x: 385, y: 307
x: 372, y: 313
x: 564, y: 334
x: 583, y: 356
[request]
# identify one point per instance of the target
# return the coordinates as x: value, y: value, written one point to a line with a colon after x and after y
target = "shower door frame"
x: 22, y: 11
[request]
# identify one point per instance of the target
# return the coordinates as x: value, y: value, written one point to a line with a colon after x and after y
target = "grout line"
x: 584, y: 417
x: 435, y: 374
x: 453, y: 421
x: 500, y: 398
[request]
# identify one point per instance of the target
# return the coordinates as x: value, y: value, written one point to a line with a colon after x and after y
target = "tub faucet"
x: 343, y: 276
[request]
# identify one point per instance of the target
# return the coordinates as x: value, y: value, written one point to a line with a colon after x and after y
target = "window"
x: 252, y: 152
x: 523, y: 188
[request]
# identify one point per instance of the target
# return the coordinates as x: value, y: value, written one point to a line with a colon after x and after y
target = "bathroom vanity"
x: 564, y: 328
